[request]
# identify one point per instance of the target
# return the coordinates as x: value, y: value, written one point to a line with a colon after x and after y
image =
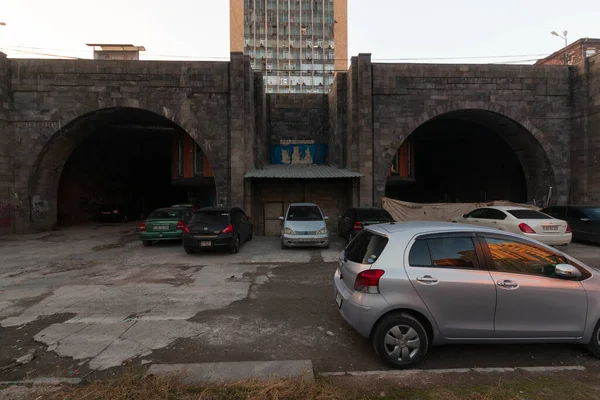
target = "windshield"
x: 528, y: 214
x: 304, y: 213
x: 165, y: 214
x: 593, y: 213
x: 210, y: 218
x: 373, y: 214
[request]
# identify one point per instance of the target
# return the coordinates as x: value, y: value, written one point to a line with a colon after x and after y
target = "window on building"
x: 320, y: 43
x: 270, y: 54
x: 332, y: 44
x: 309, y: 44
x: 590, y: 52
x: 291, y: 43
x: 331, y: 55
x: 284, y: 81
x: 285, y: 55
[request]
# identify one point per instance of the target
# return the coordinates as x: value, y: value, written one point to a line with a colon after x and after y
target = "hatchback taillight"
x: 568, y: 229
x: 368, y: 281
x: 358, y: 226
x: 142, y: 227
x: 179, y: 225
x: 186, y: 229
x: 228, y: 229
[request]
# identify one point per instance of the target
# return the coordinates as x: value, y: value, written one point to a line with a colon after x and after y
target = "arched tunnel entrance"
x: 127, y: 160
x: 469, y: 156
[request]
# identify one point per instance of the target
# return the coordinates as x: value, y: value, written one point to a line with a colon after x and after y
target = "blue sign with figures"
x: 298, y: 154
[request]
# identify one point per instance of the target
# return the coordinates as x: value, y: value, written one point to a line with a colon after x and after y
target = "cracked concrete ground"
x: 91, y: 299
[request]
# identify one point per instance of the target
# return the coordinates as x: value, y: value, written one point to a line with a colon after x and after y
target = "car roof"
x: 217, y: 209
x: 511, y: 208
x: 418, y: 227
x: 369, y: 208
x: 303, y: 204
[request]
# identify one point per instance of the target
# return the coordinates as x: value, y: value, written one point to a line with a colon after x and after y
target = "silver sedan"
x: 408, y: 286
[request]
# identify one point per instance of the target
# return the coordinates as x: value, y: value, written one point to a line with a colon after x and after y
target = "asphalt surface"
x: 91, y: 300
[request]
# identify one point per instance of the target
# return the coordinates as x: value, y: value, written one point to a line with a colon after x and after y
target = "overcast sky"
x: 388, y: 29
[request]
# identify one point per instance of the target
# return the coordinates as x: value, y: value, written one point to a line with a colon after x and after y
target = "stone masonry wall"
x: 7, y: 205
x: 50, y: 94
x: 585, y: 132
x: 514, y: 100
x: 297, y: 117
x: 337, y: 121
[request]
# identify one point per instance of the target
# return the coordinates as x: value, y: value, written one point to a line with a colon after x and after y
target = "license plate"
x: 338, y: 300
x: 205, y: 243
x: 550, y: 228
x: 161, y: 228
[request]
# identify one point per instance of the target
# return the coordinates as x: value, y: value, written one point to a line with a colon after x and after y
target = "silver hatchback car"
x: 407, y: 286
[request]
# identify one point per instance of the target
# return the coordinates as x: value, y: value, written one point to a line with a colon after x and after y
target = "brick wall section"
x: 337, y: 121
x: 585, y: 132
x: 527, y: 105
x: 50, y: 94
x: 238, y: 119
x: 297, y: 117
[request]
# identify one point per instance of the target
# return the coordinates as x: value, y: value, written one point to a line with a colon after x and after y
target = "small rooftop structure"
x: 107, y: 51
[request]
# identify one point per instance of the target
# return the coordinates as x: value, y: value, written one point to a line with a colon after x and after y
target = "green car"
x: 164, y: 224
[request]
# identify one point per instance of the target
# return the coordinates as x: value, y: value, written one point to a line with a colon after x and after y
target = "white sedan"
x: 523, y: 221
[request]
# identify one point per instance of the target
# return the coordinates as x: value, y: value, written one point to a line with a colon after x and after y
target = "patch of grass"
x: 133, y: 386
x: 155, y: 387
x: 515, y: 389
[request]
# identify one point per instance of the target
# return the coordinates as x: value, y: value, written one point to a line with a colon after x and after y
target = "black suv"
x: 217, y: 227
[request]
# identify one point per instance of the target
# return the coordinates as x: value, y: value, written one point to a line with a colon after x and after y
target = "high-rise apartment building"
x: 298, y: 45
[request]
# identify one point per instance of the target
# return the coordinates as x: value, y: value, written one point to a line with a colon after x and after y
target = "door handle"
x: 427, y: 279
x: 507, y: 284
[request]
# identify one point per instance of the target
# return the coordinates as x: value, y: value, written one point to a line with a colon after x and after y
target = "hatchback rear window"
x: 210, y: 218
x: 304, y: 213
x: 165, y: 214
x: 373, y: 214
x: 528, y: 214
x: 366, y: 248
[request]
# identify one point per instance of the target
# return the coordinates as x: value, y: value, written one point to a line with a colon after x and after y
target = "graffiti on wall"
x: 39, y: 208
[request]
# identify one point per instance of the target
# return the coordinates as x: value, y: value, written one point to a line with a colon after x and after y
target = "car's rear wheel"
x: 146, y: 243
x: 283, y: 246
x: 400, y: 340
x: 594, y: 344
x: 188, y: 251
x: 251, y: 234
x: 234, y: 246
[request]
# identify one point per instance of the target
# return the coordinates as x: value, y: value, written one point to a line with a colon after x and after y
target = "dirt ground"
x: 91, y: 301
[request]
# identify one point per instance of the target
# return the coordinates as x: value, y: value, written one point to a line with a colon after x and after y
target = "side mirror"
x: 280, y: 218
x: 567, y: 271
x: 465, y: 216
x: 585, y: 220
x: 326, y: 218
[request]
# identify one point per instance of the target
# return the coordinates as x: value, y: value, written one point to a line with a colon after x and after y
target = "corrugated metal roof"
x: 301, y: 171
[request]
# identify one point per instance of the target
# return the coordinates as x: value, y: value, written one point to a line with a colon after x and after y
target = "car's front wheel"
x: 188, y: 251
x: 594, y: 344
x: 400, y: 340
x: 146, y: 243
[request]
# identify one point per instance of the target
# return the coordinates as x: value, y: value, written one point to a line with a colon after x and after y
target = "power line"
x: 18, y: 49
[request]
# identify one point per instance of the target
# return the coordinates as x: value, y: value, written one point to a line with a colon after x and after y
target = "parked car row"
x: 198, y: 229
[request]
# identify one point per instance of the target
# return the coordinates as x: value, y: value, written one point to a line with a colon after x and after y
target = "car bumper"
x: 556, y: 239
x: 200, y: 243
x: 305, y: 240
x: 360, y: 310
x: 152, y: 236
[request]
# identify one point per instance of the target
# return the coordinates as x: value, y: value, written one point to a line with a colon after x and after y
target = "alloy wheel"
x: 402, y: 343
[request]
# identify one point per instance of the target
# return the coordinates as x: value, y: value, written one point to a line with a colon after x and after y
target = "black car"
x: 583, y: 220
x: 115, y: 212
x: 355, y: 219
x: 217, y: 227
